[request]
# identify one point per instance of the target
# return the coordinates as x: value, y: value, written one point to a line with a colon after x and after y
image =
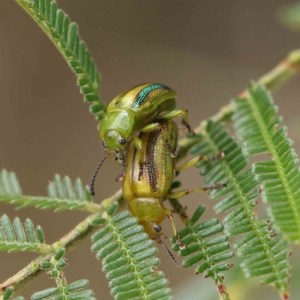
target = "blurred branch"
x: 289, y: 16
x: 274, y: 79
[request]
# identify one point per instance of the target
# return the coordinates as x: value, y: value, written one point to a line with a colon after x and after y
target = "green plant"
x: 128, y: 256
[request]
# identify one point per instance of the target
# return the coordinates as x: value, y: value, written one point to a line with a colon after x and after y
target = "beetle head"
x: 113, y: 140
x: 152, y: 229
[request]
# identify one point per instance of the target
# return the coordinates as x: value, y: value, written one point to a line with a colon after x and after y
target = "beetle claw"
x: 120, y: 177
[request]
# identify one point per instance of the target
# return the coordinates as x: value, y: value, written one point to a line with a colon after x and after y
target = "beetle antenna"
x: 92, y: 184
x: 169, y: 252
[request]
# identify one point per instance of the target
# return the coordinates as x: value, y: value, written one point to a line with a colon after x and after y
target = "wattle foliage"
x: 64, y: 35
x: 207, y: 248
x: 257, y: 126
x: 265, y: 255
x: 62, y: 194
x: 128, y: 259
x: 15, y: 237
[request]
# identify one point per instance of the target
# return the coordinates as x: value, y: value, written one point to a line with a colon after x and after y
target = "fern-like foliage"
x: 128, y: 259
x: 206, y: 248
x: 9, y: 184
x: 63, y: 290
x: 9, y: 293
x: 68, y: 195
x: 62, y: 194
x: 15, y: 237
x: 64, y: 34
x: 257, y: 126
x: 265, y: 254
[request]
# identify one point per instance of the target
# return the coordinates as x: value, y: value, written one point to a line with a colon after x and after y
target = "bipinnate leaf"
x: 15, y: 237
x: 256, y: 242
x: 128, y: 259
x: 63, y: 33
x: 257, y: 125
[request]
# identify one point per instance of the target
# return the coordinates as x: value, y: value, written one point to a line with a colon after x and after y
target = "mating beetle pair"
x: 135, y: 110
x: 132, y: 111
x: 149, y: 163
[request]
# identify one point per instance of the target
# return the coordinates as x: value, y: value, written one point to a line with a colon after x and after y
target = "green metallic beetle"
x: 135, y: 110
x: 132, y: 111
x: 146, y: 185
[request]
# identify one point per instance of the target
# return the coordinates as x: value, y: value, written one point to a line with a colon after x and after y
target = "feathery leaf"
x: 64, y: 35
x: 128, y: 259
x: 15, y: 237
x: 63, y: 290
x: 269, y: 253
x: 9, y: 184
x: 62, y: 194
x: 206, y: 247
x: 257, y: 126
x: 9, y: 293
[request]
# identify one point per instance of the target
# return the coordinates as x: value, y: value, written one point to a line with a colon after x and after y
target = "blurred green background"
x: 207, y: 51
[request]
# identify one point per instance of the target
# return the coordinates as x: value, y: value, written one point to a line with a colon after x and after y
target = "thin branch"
x: 48, y: 203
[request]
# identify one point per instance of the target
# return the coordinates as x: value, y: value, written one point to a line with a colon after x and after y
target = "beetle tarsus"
x: 120, y: 177
x: 180, y: 243
x: 172, y: 152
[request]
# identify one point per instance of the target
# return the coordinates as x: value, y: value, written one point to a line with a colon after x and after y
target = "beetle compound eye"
x: 122, y: 141
x: 157, y: 228
x: 104, y: 144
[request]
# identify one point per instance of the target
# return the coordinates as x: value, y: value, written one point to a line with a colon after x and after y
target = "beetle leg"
x: 141, y: 169
x: 179, y: 209
x: 191, y: 163
x: 185, y: 192
x: 119, y: 177
x: 176, y: 113
x: 150, y: 127
x: 168, y: 146
x: 138, y: 143
x: 177, y: 238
